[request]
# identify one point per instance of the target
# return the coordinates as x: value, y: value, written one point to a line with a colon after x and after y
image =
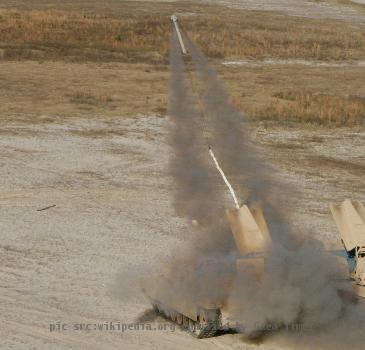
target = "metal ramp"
x: 350, y: 220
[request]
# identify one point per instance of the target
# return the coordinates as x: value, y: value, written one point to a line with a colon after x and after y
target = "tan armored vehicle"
x: 252, y: 240
x: 350, y: 220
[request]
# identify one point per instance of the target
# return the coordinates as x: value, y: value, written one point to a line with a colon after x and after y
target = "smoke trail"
x: 196, y: 273
x: 299, y: 281
x: 196, y: 192
x: 233, y: 194
x: 235, y: 151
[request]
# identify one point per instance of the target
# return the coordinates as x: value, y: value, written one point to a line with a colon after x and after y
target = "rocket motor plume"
x: 299, y: 282
x: 224, y: 178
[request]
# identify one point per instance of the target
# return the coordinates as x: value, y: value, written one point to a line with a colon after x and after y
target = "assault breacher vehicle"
x: 350, y: 220
x: 252, y: 239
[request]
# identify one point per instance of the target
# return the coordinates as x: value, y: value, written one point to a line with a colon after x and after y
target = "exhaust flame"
x: 224, y: 178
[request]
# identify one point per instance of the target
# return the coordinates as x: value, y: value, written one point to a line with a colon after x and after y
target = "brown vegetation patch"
x: 356, y: 169
x: 42, y: 34
x: 310, y: 107
x: 253, y: 34
x: 140, y: 33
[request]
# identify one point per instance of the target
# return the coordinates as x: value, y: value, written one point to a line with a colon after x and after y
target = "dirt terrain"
x: 73, y: 263
x: 315, y: 9
x: 85, y: 139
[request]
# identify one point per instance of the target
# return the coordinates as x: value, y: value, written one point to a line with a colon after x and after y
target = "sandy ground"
x: 295, y: 62
x: 303, y: 8
x: 74, y: 263
x: 333, y: 9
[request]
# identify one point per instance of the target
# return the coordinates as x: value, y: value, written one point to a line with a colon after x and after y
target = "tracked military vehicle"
x: 350, y: 220
x: 204, y: 318
x: 252, y: 239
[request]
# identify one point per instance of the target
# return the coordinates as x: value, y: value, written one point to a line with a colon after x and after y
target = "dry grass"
x: 309, y: 107
x: 299, y: 94
x: 86, y: 97
x: 134, y: 36
x: 330, y: 163
x: 139, y: 32
x: 59, y: 34
x: 251, y: 34
x: 33, y: 91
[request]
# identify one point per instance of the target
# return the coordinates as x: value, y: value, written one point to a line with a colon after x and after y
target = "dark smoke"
x: 197, y: 191
x: 199, y: 196
x: 300, y: 281
x: 235, y: 151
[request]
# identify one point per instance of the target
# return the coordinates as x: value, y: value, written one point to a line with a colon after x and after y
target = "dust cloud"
x: 196, y: 273
x: 300, y: 282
